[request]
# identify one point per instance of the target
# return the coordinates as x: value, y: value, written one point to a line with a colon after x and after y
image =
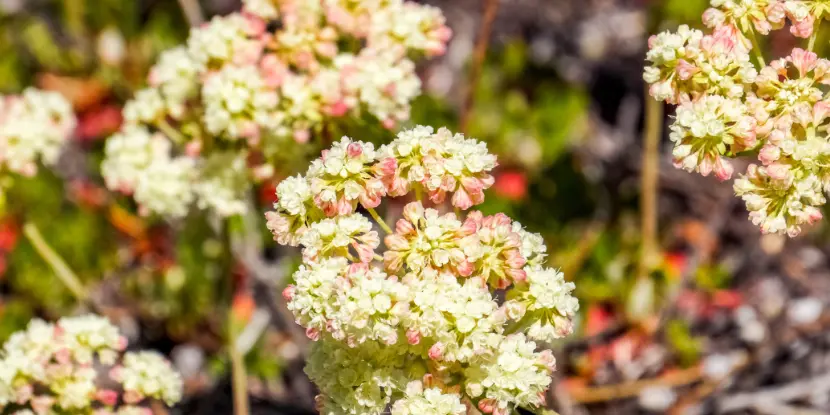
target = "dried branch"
x: 479, y: 54
x: 192, y: 11
x: 776, y: 395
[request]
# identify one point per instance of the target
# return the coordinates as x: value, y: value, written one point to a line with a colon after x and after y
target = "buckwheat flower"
x: 533, y: 247
x: 312, y: 298
x: 128, y: 154
x: 176, y: 76
x: 236, y: 98
x: 225, y: 39
x: 344, y: 176
x: 264, y: 9
x: 427, y: 334
x: 780, y: 199
x: 147, y: 106
x: 494, y: 249
x: 147, y: 374
x: 222, y: 185
x: 544, y: 303
x: 803, y: 15
x: 51, y: 368
x: 165, y: 187
x: 425, y: 240
x: 407, y: 152
x: 84, y: 335
x: 370, y: 307
x: 356, y: 380
x: 414, y: 26
x: 33, y: 128
x: 746, y: 15
x: 463, y: 169
x: 790, y: 83
x: 428, y: 401
x: 452, y: 320
x: 330, y: 237
x: 295, y: 209
x: 513, y: 375
x: 687, y: 63
x: 708, y: 129
x: 385, y: 84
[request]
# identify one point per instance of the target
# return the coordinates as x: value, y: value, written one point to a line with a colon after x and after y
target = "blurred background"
x: 720, y: 319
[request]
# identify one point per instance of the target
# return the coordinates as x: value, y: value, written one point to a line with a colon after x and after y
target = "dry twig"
x: 479, y: 54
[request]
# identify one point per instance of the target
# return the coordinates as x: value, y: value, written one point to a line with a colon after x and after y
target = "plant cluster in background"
x: 418, y: 327
x: 54, y: 368
x: 224, y: 110
x: 33, y: 129
x: 727, y: 107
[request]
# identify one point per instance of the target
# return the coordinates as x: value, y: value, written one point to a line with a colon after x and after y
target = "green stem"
x: 239, y: 379
x: 239, y: 375
x: 171, y: 132
x: 58, y: 265
x: 649, y: 182
x: 380, y: 221
x: 812, y: 42
x: 419, y: 193
x: 74, y: 12
x: 756, y: 48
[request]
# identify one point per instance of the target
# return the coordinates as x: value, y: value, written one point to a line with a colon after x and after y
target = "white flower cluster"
x: 419, y: 328
x: 33, y: 128
x: 239, y: 87
x: 727, y: 108
x: 49, y: 368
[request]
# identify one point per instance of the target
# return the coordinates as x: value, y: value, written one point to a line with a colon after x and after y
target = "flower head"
x: 430, y: 319
x: 48, y: 368
x: 708, y: 129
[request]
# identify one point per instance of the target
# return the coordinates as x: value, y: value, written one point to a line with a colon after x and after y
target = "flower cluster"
x: 249, y: 84
x: 33, y: 128
x: 726, y: 107
x: 54, y: 368
x: 418, y: 328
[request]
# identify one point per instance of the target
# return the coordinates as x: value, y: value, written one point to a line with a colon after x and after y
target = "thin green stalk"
x: 756, y: 48
x: 649, y: 182
x: 418, y: 192
x: 812, y: 42
x: 58, y: 265
x: 239, y: 375
x: 380, y: 221
x: 239, y: 379
x: 171, y: 132
x: 74, y: 13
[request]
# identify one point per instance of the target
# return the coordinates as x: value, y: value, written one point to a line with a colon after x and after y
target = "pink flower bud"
x: 302, y: 136
x: 686, y: 70
x: 461, y: 199
x: 312, y: 333
x: 404, y: 227
x: 288, y: 292
x: 804, y: 27
x: 436, y: 352
x: 768, y: 154
x: 107, y: 397
x: 413, y: 337
x: 778, y: 171
x: 487, y: 406
x: 723, y: 169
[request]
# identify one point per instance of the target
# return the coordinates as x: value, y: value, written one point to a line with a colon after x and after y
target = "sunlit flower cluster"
x: 418, y: 326
x: 248, y: 85
x: 61, y: 368
x: 727, y: 108
x: 33, y: 128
